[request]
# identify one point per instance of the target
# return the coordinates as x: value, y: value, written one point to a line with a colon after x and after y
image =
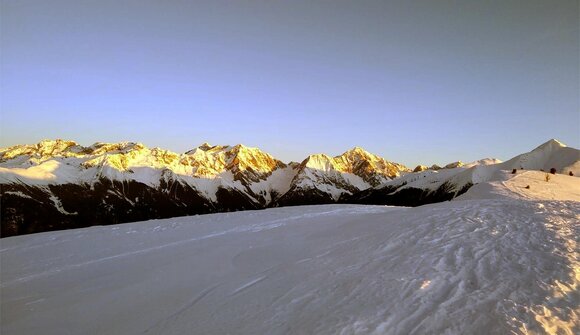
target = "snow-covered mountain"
x: 58, y: 184
x: 434, y: 185
x: 323, y: 179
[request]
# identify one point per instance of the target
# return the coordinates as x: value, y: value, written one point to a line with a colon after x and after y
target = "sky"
x: 416, y: 82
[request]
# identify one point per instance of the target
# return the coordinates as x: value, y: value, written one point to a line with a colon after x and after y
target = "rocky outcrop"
x: 420, y: 168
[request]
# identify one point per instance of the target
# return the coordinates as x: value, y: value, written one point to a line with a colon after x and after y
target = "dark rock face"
x: 409, y: 197
x: 299, y: 197
x: 26, y: 209
x: 231, y: 200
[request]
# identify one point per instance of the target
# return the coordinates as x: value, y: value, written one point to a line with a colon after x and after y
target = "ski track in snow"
x: 490, y: 266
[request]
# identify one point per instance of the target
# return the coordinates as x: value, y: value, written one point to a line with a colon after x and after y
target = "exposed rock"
x: 420, y: 168
x: 454, y: 165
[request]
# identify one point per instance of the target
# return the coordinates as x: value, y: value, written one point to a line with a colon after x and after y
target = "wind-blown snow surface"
x: 498, y: 262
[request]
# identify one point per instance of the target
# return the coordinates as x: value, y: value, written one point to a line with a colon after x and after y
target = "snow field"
x: 493, y: 263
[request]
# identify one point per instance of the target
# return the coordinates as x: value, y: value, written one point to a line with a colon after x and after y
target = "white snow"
x: 498, y: 260
x: 57, y: 162
x: 320, y: 162
x: 505, y: 184
x: 58, y: 205
x: 18, y: 193
x: 279, y: 182
x: 208, y: 168
x: 484, y: 161
x: 551, y: 154
x: 356, y: 181
x: 205, y: 168
x: 338, y: 175
x: 42, y: 174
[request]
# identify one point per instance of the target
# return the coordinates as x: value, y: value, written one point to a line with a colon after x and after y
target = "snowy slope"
x: 443, y: 184
x: 491, y: 262
x: 530, y: 185
x: 552, y: 154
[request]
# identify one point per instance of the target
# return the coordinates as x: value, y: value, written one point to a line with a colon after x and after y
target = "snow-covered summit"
x: 371, y: 168
x: 44, y: 148
x: 321, y: 162
x: 457, y: 178
x: 323, y: 179
x: 51, y: 149
x: 552, y: 144
x: 204, y: 161
x: 211, y: 161
x: 552, y: 154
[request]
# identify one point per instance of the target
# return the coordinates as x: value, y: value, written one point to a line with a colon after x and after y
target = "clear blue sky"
x: 413, y: 81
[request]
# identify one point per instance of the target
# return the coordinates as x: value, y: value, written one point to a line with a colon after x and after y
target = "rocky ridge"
x: 63, y: 182
x: 60, y: 184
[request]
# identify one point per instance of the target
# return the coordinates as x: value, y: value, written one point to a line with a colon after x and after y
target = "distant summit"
x: 440, y: 184
x: 550, y: 145
x: 324, y: 179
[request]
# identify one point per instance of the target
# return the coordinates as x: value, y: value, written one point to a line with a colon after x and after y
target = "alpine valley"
x: 59, y: 184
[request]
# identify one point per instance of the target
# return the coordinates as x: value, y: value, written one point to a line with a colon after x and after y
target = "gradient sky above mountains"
x: 413, y: 81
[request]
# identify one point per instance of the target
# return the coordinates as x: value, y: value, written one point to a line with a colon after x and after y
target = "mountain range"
x: 57, y: 184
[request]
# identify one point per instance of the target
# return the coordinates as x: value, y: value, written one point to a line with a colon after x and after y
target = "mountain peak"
x: 550, y: 144
x: 357, y: 149
x: 319, y: 162
x: 120, y: 147
x: 357, y: 153
x: 43, y: 148
x: 371, y: 168
x: 53, y: 147
x: 205, y: 146
x: 56, y: 142
x: 240, y: 148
